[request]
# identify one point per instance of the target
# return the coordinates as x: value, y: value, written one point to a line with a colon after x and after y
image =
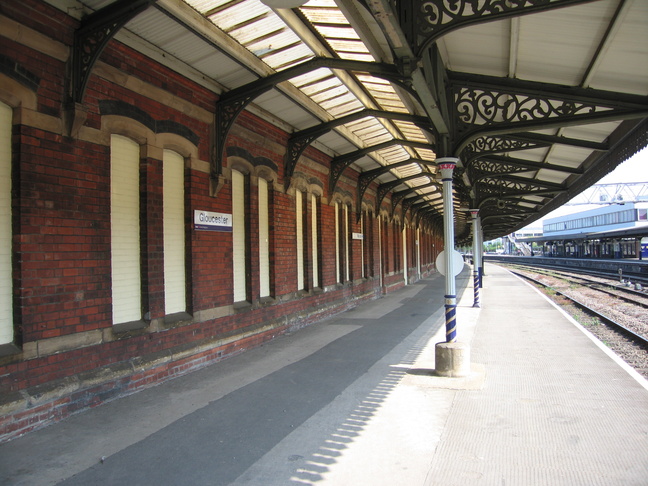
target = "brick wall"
x: 68, y: 355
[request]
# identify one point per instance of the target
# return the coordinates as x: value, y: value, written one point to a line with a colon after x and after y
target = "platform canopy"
x: 537, y: 98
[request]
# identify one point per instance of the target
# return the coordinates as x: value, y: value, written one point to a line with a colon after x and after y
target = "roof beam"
x: 340, y: 163
x: 367, y: 177
x: 298, y: 141
x: 384, y: 189
x: 232, y: 103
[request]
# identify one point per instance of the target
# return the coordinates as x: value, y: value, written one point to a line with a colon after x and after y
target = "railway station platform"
x: 352, y: 401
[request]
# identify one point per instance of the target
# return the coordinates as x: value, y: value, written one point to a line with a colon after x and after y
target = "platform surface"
x: 352, y: 401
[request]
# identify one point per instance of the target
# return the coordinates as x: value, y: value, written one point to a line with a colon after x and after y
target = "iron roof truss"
x: 506, y: 129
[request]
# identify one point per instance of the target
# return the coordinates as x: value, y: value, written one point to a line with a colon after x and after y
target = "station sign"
x: 210, y: 221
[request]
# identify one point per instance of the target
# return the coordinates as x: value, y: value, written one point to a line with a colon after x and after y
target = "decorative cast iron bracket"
x: 299, y: 141
x: 490, y: 106
x: 399, y: 196
x: 366, y: 178
x: 494, y: 145
x: 90, y: 39
x: 425, y: 21
x: 232, y: 103
x: 383, y: 189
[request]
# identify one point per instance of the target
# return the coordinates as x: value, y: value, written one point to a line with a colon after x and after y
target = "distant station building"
x: 614, y: 231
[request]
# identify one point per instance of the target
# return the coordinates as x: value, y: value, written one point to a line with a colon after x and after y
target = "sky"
x: 635, y: 169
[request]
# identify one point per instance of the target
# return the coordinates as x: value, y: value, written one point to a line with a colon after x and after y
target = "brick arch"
x: 343, y: 197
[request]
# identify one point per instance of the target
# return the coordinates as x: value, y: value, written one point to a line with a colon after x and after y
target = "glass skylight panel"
x: 426, y: 154
x: 391, y: 152
x: 419, y: 181
x: 280, y: 37
x: 257, y: 28
x: 324, y: 13
x: 330, y: 93
x: 377, y: 137
x: 260, y: 28
x: 322, y: 86
x: 285, y: 58
x: 362, y: 123
x: 239, y: 14
x: 409, y: 170
x: 205, y: 6
x: 340, y: 100
x: 321, y: 75
x: 342, y: 110
x: 357, y: 57
x: 344, y: 45
x: 337, y: 32
x: 398, y: 155
x: 411, y: 131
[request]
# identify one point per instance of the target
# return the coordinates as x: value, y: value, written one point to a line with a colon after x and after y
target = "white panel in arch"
x: 125, y: 230
x: 337, y: 244
x: 238, y: 235
x: 174, y: 233
x: 299, y: 214
x: 264, y: 240
x: 347, y: 274
x: 314, y: 245
x: 6, y: 285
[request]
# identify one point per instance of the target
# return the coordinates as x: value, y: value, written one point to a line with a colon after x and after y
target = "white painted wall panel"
x: 174, y: 233
x: 125, y: 230
x: 238, y: 235
x: 347, y: 274
x: 264, y: 240
x: 6, y: 286
x: 314, y: 238
x: 299, y: 214
x: 337, y: 243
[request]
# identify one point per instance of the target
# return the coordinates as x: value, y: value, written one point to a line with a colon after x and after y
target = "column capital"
x: 446, y: 165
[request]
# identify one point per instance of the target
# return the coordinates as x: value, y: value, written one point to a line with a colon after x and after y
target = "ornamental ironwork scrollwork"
x: 435, y: 18
x: 493, y: 145
x: 491, y: 167
x: 295, y: 148
x: 481, y: 168
x: 480, y: 107
x: 438, y: 13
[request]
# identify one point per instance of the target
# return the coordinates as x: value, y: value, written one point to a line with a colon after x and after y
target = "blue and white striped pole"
x: 446, y: 166
x: 476, y: 255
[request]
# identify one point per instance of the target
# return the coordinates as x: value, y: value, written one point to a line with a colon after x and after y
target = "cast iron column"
x: 446, y: 166
x: 476, y: 280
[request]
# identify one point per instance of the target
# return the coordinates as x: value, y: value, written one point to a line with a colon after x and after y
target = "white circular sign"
x: 457, y: 263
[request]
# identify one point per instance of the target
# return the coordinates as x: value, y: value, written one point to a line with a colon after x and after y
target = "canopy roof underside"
x: 537, y: 100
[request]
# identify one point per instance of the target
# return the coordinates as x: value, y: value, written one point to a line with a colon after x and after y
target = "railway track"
x: 623, y: 291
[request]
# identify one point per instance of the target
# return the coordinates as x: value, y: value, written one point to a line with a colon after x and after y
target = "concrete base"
x: 452, y: 359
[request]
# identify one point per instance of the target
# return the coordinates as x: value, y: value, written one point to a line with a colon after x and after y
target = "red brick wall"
x: 62, y: 243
